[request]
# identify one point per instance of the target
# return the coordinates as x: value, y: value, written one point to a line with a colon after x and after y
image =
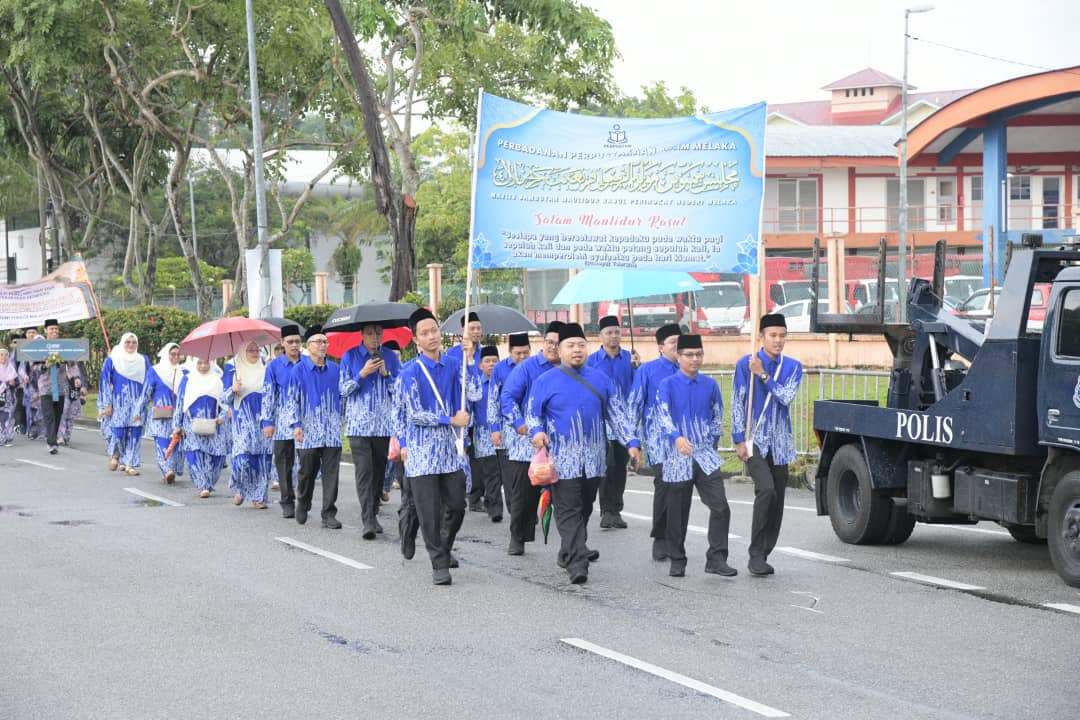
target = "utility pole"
x: 260, y: 307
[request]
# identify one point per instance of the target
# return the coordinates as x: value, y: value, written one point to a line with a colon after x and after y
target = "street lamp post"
x: 901, y: 260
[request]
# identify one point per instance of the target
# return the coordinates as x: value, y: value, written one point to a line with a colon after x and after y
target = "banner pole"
x: 97, y: 308
x: 469, y: 260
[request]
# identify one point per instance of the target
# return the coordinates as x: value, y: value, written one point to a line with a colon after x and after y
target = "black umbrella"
x: 496, y: 319
x: 387, y: 314
x: 282, y: 322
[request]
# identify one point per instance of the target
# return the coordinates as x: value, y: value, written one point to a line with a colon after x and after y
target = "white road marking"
x: 1063, y: 607
x: 325, y: 553
x: 813, y: 601
x: 39, y: 464
x: 148, y: 496
x: 931, y: 580
x: 809, y: 555
x: 691, y: 528
x: 728, y: 697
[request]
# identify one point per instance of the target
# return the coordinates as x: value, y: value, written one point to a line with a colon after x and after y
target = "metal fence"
x: 817, y: 384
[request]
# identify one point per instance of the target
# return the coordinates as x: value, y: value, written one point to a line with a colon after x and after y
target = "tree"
x: 436, y: 55
x: 655, y: 102
x: 298, y: 268
x: 347, y: 257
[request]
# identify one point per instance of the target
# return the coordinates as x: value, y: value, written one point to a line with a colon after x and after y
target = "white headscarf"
x: 7, y: 370
x: 250, y: 374
x: 170, y: 374
x: 207, y: 384
x: 130, y: 365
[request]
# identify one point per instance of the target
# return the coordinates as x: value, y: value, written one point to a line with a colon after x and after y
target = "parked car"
x: 960, y: 287
x: 797, y: 314
x: 977, y: 305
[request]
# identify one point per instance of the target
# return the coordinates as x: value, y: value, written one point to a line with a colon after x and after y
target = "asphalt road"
x: 118, y: 606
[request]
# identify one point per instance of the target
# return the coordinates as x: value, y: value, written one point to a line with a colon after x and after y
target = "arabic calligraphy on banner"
x: 555, y: 190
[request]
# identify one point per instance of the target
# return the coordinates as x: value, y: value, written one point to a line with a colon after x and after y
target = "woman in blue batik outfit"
x: 9, y: 380
x: 123, y: 395
x: 252, y: 458
x: 105, y: 424
x: 163, y: 383
x: 199, y: 397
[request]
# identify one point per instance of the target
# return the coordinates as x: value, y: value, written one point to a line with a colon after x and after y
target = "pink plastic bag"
x: 395, y: 450
x: 542, y: 470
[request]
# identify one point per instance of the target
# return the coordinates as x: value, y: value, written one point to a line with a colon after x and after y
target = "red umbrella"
x: 228, y: 336
x: 342, y: 342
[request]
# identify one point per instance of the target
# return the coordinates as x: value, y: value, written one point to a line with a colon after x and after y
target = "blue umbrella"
x: 597, y: 284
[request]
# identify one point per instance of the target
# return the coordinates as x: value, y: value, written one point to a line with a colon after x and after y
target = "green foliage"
x: 308, y: 315
x: 415, y: 298
x: 173, y: 272
x: 655, y: 102
x: 449, y: 306
x: 346, y: 258
x: 442, y: 223
x: 298, y: 268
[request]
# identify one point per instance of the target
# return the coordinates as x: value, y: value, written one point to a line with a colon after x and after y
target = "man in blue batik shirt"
x: 770, y: 445
x: 691, y: 412
x: 643, y: 406
x: 503, y: 436
x: 524, y: 496
x: 567, y: 411
x: 431, y: 420
x: 471, y: 333
x: 275, y: 393
x: 482, y: 457
x: 314, y: 414
x: 367, y: 375
x: 614, y: 362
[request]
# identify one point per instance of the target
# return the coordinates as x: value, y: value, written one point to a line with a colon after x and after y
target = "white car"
x: 797, y: 314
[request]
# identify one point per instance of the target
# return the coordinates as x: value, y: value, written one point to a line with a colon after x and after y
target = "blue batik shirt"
x: 642, y: 402
x: 274, y: 394
x: 481, y: 436
x: 694, y: 409
x: 368, y: 403
x: 496, y: 421
x: 127, y: 397
x: 512, y: 401
x: 314, y: 403
x: 456, y: 353
x: 423, y: 419
x: 161, y: 394
x: 771, y: 430
x: 619, y: 368
x: 573, y: 418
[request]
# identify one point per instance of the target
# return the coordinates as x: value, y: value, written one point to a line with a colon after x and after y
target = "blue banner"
x: 555, y: 190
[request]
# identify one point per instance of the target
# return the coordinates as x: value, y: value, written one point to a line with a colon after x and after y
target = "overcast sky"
x: 737, y: 53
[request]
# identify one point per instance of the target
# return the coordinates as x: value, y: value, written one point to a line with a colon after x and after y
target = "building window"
x: 847, y: 93
x: 871, y: 92
x: 864, y: 92
x: 976, y: 189
x: 1020, y: 187
x: 798, y: 205
x: 1068, y: 339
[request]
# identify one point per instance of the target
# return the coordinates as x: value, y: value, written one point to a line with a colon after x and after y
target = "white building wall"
x: 871, y: 215
x: 834, y: 200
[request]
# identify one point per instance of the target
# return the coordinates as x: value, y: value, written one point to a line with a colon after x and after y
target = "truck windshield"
x: 721, y: 296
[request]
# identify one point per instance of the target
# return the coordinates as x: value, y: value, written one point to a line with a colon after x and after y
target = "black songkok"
x: 312, y: 332
x: 609, y: 321
x: 518, y: 340
x: 571, y: 330
x: 489, y: 351
x: 555, y: 326
x: 419, y: 315
x: 289, y: 331
x: 772, y: 320
x: 473, y: 317
x: 690, y: 342
x: 667, y: 331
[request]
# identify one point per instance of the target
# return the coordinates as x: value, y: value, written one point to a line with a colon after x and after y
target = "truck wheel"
x: 901, y: 524
x: 859, y: 515
x: 1025, y: 534
x: 1063, y: 528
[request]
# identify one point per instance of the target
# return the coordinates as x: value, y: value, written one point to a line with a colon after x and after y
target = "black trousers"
x: 659, y: 505
x: 523, y: 501
x: 573, y: 499
x: 53, y: 412
x: 369, y: 462
x: 20, y: 410
x: 440, y: 508
x: 613, y: 485
x: 679, y: 496
x: 770, y: 484
x: 506, y: 477
x: 327, y: 459
x: 488, y: 475
x: 408, y: 522
x: 284, y: 458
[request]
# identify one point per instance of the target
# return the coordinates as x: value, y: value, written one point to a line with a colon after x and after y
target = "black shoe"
x: 606, y: 521
x: 721, y: 568
x: 301, y: 515
x: 331, y: 523
x: 287, y: 511
x: 592, y: 555
x: 516, y: 547
x: 454, y: 561
x: 408, y: 547
x: 378, y: 528
x: 53, y: 450
x: 562, y: 562
x: 496, y: 518
x: 678, y: 568
x: 368, y: 534
x: 659, y: 554
x: 617, y: 522
x: 759, y: 568
x: 441, y: 576
x: 579, y: 577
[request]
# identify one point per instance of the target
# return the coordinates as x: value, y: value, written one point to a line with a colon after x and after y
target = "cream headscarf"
x: 130, y: 365
x: 207, y: 384
x: 7, y: 370
x: 250, y: 374
x: 170, y: 374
